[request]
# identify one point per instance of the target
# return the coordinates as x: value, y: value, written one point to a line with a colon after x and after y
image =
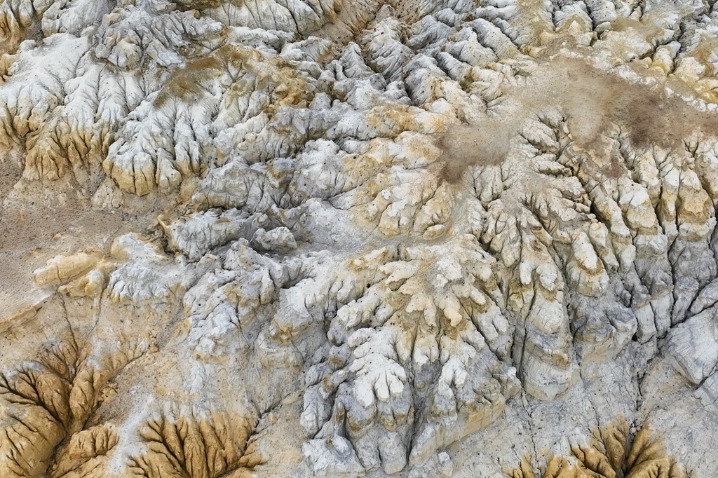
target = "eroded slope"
x: 322, y: 238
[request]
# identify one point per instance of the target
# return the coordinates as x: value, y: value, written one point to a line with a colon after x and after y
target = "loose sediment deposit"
x: 336, y: 238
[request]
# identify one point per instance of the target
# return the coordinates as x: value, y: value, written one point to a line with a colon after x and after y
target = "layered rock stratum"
x: 328, y: 238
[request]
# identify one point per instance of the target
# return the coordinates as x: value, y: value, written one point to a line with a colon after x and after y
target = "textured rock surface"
x: 349, y: 238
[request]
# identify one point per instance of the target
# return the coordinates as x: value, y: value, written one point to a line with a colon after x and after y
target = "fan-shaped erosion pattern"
x: 323, y: 238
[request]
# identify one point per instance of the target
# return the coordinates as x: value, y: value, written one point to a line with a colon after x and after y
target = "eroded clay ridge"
x: 599, y: 108
x: 358, y: 238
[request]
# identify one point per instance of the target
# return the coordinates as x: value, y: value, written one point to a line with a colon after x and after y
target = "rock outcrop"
x: 358, y: 238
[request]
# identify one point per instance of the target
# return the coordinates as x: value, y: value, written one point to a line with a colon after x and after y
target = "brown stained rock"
x: 612, y: 452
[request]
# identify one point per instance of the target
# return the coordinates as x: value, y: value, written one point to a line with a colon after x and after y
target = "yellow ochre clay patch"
x: 611, y: 452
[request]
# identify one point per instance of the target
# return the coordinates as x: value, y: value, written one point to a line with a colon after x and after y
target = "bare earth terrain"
x: 324, y: 238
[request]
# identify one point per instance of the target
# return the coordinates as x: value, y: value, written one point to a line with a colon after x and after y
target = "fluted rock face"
x: 358, y: 237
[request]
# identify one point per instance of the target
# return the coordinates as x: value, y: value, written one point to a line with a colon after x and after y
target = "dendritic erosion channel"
x: 348, y: 238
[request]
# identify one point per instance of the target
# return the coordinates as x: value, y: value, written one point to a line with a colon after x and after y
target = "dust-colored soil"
x: 38, y: 222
